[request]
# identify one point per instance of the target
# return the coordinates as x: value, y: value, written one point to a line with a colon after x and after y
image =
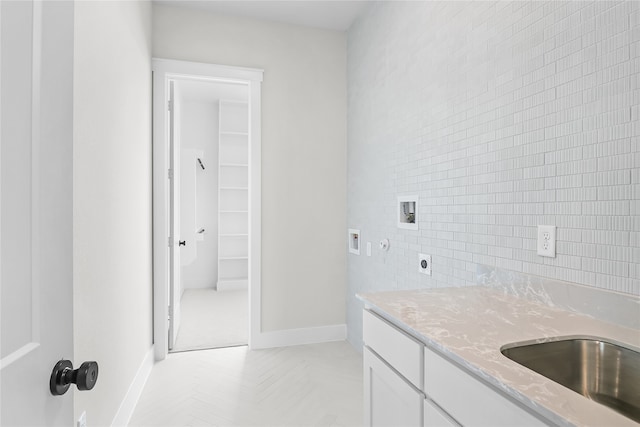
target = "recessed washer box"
x: 408, y: 212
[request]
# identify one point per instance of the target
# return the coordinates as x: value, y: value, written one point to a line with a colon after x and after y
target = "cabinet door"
x: 389, y: 400
x: 434, y: 417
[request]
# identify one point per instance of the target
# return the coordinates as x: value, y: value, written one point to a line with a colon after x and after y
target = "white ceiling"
x: 330, y: 15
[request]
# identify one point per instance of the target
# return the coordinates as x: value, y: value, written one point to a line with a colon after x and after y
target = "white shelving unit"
x: 233, y: 196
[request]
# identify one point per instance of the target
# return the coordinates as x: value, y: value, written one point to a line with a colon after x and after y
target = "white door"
x: 175, y: 264
x: 36, y: 135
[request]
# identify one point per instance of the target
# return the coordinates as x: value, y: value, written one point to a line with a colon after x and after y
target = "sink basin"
x: 600, y: 370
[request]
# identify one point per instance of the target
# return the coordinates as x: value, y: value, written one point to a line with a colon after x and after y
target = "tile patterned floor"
x: 309, y: 385
x: 212, y: 319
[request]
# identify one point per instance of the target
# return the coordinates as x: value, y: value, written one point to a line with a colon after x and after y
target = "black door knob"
x: 182, y: 243
x: 63, y: 375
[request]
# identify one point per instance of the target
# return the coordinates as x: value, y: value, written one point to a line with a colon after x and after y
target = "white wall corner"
x: 128, y: 405
x: 290, y: 337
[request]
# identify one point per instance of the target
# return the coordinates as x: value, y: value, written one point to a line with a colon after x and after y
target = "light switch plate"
x: 547, y: 240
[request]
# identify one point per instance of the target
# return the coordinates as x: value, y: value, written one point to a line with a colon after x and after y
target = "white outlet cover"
x: 547, y: 241
x: 368, y: 248
x: 424, y: 268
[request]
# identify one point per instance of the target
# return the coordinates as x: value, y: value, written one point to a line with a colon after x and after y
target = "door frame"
x: 165, y: 70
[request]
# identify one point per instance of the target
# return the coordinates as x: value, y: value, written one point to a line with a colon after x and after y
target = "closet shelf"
x: 234, y: 133
x: 234, y: 283
x: 233, y: 101
x: 233, y: 280
x: 234, y: 165
x: 233, y: 194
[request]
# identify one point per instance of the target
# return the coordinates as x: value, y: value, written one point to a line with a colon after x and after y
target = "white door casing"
x: 165, y: 71
x: 36, y: 211
x: 175, y: 234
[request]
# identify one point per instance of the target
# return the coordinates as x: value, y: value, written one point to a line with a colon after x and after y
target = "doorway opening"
x: 211, y: 131
x: 207, y: 204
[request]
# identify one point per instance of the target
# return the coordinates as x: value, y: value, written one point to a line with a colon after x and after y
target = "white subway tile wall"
x: 500, y: 116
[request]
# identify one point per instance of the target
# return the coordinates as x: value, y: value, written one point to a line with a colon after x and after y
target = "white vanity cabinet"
x: 393, y: 375
x: 434, y: 416
x: 408, y: 384
x: 468, y: 400
x: 390, y: 399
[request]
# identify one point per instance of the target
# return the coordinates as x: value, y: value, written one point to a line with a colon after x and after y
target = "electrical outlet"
x: 368, y: 248
x: 424, y: 265
x: 547, y: 240
x: 82, y: 421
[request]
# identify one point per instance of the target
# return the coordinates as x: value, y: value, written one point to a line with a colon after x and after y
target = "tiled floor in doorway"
x: 309, y: 385
x: 212, y: 319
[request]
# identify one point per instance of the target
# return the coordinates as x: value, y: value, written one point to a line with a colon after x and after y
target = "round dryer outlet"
x: 424, y: 266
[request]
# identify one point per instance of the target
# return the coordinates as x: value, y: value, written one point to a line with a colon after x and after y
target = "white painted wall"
x: 112, y: 198
x: 303, y: 152
x: 500, y: 116
x: 199, y: 131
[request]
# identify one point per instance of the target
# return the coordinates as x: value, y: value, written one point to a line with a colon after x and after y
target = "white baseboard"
x: 232, y: 285
x: 128, y: 405
x: 289, y: 337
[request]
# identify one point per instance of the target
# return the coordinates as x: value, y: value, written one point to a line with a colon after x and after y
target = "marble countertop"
x: 469, y: 325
